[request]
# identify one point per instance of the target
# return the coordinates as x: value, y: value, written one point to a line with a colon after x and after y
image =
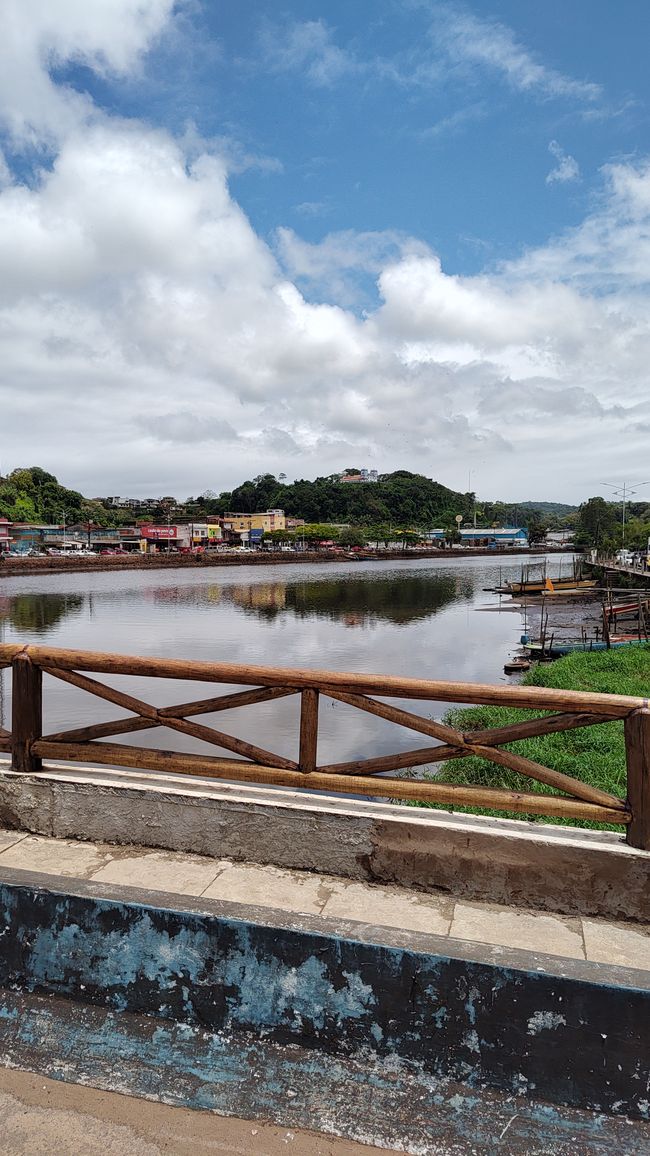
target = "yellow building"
x: 266, y: 521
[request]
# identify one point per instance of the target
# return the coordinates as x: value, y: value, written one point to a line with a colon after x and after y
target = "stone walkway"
x: 302, y: 892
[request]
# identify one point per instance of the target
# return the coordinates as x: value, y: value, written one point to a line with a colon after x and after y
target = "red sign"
x: 158, y: 531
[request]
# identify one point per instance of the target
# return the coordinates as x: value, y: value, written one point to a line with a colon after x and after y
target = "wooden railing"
x: 567, y: 710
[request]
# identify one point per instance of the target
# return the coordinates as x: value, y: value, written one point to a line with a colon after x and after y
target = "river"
x: 429, y: 618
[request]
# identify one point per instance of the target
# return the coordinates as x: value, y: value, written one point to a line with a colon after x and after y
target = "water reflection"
x: 415, y: 619
x: 38, y: 614
x: 355, y: 601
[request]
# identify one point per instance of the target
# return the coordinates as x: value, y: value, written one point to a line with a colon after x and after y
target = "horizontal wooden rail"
x: 389, y: 686
x: 235, y: 769
x: 559, y: 711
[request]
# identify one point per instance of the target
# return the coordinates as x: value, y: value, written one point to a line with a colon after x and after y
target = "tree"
x: 596, y: 524
x: 352, y: 537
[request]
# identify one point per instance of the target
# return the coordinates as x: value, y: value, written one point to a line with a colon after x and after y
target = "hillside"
x: 398, y: 499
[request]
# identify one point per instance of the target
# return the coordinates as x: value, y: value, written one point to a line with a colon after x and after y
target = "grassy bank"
x: 594, y: 754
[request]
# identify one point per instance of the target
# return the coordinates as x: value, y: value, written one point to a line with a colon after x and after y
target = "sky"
x: 298, y: 237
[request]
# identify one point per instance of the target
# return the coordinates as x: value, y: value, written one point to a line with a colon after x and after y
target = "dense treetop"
x: 400, y: 500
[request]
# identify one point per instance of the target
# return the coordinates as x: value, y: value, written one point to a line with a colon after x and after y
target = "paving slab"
x: 617, y: 944
x: 161, y: 871
x: 55, y: 856
x: 9, y: 838
x: 295, y: 891
x: 390, y: 907
x: 527, y: 930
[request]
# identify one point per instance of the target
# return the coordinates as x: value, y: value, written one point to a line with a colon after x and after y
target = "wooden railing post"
x: 637, y: 753
x: 27, y: 713
x: 308, y: 731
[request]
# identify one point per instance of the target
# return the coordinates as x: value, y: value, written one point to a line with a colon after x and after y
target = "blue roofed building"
x: 494, y: 538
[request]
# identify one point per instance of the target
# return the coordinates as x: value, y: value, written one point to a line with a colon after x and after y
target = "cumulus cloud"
x: 151, y: 340
x: 108, y: 36
x: 566, y: 169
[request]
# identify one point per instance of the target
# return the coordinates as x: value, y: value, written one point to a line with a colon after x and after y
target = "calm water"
x: 426, y: 619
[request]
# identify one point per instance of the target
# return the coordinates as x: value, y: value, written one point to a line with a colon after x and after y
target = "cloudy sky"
x: 248, y: 237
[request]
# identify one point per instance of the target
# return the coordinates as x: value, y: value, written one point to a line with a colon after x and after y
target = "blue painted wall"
x: 567, y: 1040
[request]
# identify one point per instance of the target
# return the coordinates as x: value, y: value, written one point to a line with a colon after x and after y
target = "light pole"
x: 624, y: 492
x: 64, y: 539
x: 469, y: 491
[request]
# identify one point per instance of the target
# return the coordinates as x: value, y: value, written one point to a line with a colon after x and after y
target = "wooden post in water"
x: 27, y: 713
x: 637, y: 752
x: 308, y: 731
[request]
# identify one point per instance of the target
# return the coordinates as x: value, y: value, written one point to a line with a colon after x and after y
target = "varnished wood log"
x: 195, y: 730
x: 200, y: 706
x: 102, y: 730
x: 109, y: 693
x: 228, y: 701
x: 404, y: 718
x: 117, y: 754
x: 637, y: 751
x: 228, y: 742
x: 26, y: 713
x: 551, y: 778
x: 529, y: 697
x: 532, y: 728
x: 384, y: 764
x: 308, y: 731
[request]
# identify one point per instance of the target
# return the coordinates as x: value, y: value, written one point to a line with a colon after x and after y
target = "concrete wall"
x: 562, y: 1031
x: 527, y: 864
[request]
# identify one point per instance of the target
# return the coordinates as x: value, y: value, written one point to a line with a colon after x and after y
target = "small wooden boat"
x: 561, y: 647
x: 548, y: 586
x: 516, y: 665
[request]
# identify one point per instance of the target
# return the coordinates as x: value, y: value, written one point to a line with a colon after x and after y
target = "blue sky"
x: 240, y: 237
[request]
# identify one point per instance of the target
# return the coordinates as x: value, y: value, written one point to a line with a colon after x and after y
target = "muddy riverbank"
x: 58, y: 564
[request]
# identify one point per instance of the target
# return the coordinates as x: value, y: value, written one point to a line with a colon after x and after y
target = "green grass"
x: 594, y: 754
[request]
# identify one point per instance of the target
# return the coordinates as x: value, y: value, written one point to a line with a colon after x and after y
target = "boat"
x: 540, y: 648
x: 548, y: 586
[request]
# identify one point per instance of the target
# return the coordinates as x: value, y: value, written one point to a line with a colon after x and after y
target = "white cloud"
x: 151, y: 340
x: 567, y: 168
x: 487, y: 44
x: 306, y: 47
x: 109, y: 36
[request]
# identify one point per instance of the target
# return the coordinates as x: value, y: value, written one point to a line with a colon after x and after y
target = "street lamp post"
x: 469, y: 491
x: 624, y: 492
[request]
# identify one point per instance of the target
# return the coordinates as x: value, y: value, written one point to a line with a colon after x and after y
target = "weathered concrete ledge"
x: 573, y: 872
x: 211, y: 991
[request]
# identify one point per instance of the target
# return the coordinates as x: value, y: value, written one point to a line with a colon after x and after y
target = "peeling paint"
x: 455, y: 1019
x: 544, y: 1021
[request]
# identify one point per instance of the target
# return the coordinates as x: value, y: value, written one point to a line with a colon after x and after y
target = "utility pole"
x: 469, y: 491
x: 625, y: 492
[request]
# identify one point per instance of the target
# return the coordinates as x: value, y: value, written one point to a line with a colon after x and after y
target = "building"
x: 266, y: 521
x: 494, y: 538
x: 362, y: 476
x: 154, y: 538
x: 5, y: 538
x: 560, y: 537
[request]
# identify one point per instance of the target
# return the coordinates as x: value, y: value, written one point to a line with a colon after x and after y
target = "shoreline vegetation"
x: 55, y: 564
x: 594, y: 754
